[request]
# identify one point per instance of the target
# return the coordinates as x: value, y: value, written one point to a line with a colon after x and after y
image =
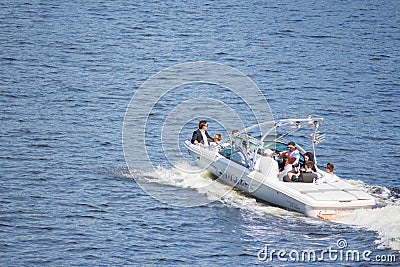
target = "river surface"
x: 69, y: 69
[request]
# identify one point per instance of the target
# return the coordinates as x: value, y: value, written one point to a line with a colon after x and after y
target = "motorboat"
x: 232, y: 162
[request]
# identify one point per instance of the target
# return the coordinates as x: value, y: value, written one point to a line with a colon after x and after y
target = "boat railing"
x: 242, y: 141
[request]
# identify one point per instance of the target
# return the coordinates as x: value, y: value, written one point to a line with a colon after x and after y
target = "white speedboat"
x: 233, y: 164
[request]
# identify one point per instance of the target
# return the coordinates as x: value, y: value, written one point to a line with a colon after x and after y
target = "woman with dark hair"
x: 309, y: 156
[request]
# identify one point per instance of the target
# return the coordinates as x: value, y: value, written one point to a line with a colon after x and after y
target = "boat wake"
x: 203, y: 183
x: 385, y: 219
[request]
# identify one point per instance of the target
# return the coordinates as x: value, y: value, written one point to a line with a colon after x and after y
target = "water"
x: 69, y: 69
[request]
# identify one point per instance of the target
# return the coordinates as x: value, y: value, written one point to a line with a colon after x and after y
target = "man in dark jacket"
x: 308, y: 175
x: 201, y: 135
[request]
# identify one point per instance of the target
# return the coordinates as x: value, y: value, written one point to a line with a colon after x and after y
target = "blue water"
x: 68, y: 70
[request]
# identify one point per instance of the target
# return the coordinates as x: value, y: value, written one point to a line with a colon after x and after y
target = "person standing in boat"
x: 201, y: 136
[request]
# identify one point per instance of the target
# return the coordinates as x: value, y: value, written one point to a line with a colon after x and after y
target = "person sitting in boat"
x: 308, y: 156
x: 293, y: 174
x: 306, y: 176
x: 288, y: 158
x: 217, y: 138
x: 218, y: 143
x: 267, y: 165
x: 329, y: 177
x: 201, y: 136
x: 292, y: 156
x: 234, y: 132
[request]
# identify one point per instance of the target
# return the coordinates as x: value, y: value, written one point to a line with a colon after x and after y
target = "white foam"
x: 186, y: 176
x: 382, y: 194
x: 385, y: 221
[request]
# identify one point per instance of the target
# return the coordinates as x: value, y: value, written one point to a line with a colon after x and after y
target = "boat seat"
x: 226, y: 152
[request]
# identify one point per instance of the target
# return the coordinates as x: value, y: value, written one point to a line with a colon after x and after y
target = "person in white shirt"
x: 292, y: 156
x: 329, y: 177
x: 217, y: 142
x: 267, y: 165
x: 201, y: 136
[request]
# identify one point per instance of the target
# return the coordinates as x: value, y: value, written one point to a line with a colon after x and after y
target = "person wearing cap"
x: 267, y: 165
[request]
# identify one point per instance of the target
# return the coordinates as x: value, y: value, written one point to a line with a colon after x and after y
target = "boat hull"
x: 315, y: 200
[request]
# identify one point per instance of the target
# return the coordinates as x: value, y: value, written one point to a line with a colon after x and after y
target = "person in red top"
x: 292, y: 156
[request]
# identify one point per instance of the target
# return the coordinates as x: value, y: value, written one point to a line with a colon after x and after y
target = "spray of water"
x: 385, y: 220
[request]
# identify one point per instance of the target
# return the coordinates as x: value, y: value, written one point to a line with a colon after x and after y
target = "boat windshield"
x: 243, y: 148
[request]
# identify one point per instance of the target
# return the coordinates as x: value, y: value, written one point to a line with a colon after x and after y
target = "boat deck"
x: 337, y: 191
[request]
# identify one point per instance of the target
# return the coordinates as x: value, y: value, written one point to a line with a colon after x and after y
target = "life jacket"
x: 289, y: 157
